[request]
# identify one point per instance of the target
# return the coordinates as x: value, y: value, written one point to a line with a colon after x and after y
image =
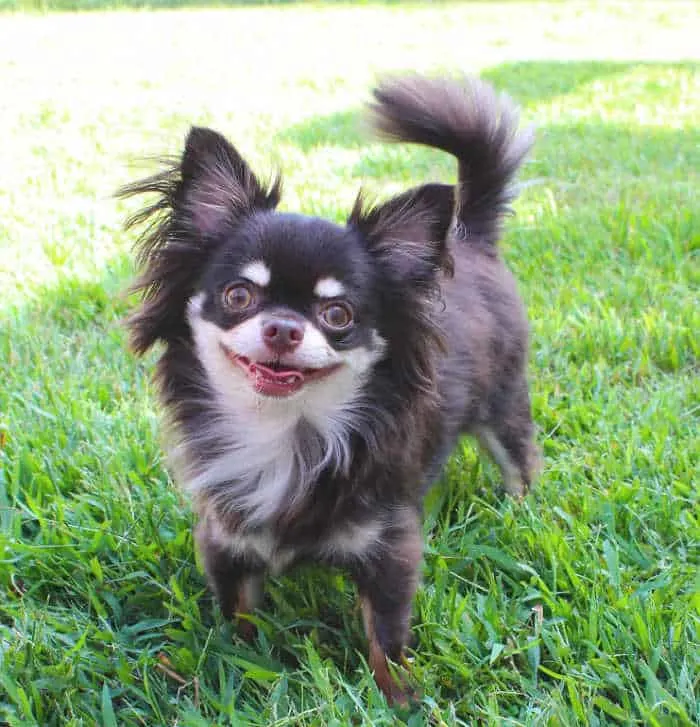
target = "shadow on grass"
x: 562, y: 154
x: 342, y: 129
x: 531, y: 82
x: 528, y: 82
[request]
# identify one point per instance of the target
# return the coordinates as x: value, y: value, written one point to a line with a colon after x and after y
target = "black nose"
x: 282, y: 335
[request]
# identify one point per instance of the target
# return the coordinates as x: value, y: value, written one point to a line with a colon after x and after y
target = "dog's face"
x: 286, y: 308
x: 282, y: 307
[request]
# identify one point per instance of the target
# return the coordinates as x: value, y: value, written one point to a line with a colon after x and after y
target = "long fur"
x: 169, y: 260
x: 469, y: 120
x: 339, y: 478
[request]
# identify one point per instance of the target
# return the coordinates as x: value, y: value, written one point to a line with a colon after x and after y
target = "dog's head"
x: 277, y: 305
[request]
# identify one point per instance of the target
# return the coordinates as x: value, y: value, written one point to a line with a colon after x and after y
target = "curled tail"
x: 470, y: 121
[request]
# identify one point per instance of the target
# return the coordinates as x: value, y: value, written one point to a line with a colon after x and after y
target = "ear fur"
x: 408, y: 238
x: 408, y: 234
x: 218, y: 186
x: 200, y: 195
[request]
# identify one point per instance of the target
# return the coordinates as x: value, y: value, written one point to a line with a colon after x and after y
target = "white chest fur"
x: 268, y: 465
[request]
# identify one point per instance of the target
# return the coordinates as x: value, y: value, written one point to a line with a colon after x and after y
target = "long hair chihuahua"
x: 316, y: 377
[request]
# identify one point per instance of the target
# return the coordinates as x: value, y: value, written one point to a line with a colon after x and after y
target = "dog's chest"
x: 268, y: 495
x: 256, y: 475
x: 266, y: 465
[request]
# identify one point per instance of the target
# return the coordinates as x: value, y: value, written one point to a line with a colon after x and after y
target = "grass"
x: 579, y: 606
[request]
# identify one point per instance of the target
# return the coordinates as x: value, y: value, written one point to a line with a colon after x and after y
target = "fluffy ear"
x: 217, y: 184
x: 209, y: 189
x: 408, y: 233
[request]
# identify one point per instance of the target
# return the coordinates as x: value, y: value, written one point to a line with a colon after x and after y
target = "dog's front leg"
x: 387, y: 580
x: 236, y: 581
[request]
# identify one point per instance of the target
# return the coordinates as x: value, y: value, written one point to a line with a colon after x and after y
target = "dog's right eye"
x: 238, y: 297
x: 337, y: 316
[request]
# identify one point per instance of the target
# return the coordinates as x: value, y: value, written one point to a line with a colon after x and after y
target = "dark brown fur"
x: 433, y: 284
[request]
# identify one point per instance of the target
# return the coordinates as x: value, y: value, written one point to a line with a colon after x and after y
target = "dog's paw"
x: 396, y: 685
x: 246, y: 629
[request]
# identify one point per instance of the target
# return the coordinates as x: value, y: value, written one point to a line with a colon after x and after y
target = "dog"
x: 315, y: 376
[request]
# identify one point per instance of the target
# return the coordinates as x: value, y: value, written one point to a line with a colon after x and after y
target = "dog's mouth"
x: 274, y: 378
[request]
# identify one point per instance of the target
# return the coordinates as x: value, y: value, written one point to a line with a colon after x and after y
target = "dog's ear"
x: 218, y: 186
x: 408, y: 233
x: 209, y: 190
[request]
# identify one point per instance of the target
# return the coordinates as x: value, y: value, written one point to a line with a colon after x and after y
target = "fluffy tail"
x: 470, y: 121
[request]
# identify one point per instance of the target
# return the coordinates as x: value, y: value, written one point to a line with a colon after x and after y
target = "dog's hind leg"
x: 508, y: 436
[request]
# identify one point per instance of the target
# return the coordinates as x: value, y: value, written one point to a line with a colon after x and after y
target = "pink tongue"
x: 275, y: 383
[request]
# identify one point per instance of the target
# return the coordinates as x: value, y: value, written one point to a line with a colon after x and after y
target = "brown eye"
x: 336, y: 316
x: 237, y: 297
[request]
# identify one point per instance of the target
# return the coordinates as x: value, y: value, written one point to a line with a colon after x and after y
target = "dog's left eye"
x: 238, y: 297
x: 336, y: 316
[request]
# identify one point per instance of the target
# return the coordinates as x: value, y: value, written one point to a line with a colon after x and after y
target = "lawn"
x: 579, y: 606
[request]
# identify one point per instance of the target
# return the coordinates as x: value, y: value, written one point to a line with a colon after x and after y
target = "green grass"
x: 578, y: 607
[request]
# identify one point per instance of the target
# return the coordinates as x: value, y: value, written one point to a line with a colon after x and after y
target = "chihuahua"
x: 315, y: 376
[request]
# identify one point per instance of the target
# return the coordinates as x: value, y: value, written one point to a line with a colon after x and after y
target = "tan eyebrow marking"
x: 257, y: 272
x: 329, y: 288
